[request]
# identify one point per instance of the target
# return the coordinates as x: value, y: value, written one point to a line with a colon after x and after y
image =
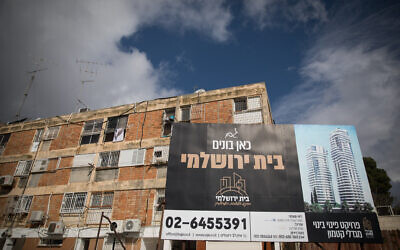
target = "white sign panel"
x: 206, y: 225
x: 278, y: 226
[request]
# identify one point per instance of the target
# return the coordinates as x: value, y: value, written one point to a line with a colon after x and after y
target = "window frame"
x: 187, y: 109
x: 51, y: 133
x: 167, y: 122
x: 112, y: 130
x: 4, y: 138
x: 94, y: 133
x: 103, y: 199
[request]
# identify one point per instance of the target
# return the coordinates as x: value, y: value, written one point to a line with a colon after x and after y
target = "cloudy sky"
x: 323, y: 62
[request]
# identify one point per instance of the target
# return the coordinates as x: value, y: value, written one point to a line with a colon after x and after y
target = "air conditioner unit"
x: 119, y: 227
x: 6, y: 180
x: 131, y: 226
x: 36, y: 217
x: 56, y: 227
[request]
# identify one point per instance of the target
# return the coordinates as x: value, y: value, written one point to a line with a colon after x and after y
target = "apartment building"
x: 59, y: 175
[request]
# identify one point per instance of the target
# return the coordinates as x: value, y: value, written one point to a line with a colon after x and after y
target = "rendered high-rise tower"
x: 349, y: 182
x: 319, y: 175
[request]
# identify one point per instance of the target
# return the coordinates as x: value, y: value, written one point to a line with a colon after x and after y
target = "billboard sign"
x: 235, y: 182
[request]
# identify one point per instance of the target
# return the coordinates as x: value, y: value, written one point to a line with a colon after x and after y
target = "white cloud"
x: 64, y: 31
x: 277, y: 13
x: 351, y: 76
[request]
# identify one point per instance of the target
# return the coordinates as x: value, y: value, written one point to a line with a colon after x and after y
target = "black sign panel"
x: 211, y: 161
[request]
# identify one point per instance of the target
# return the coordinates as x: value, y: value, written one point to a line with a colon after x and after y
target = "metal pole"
x: 159, y: 234
x: 98, y: 231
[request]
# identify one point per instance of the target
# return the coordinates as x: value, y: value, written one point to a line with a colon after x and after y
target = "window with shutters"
x: 91, y: 131
x: 116, y: 128
x: 3, y: 142
x: 23, y: 168
x: 185, y: 114
x: 23, y: 204
x: 132, y: 157
x: 168, y: 120
x: 109, y: 159
x: 40, y: 165
x: 51, y: 133
x: 73, y: 203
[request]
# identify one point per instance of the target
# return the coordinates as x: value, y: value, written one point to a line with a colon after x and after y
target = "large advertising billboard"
x: 287, y: 183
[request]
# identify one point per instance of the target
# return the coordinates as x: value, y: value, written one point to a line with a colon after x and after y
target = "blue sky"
x: 308, y: 135
x: 324, y: 62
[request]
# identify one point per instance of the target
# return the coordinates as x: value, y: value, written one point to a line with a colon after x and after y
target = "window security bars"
x: 23, y: 204
x: 23, y: 168
x: 51, y: 133
x: 109, y: 159
x: 73, y: 203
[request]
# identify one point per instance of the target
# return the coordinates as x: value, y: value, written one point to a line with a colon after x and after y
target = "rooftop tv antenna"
x: 33, y: 75
x: 88, y: 70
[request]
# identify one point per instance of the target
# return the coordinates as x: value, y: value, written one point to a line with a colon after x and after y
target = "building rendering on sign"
x: 348, y: 178
x: 319, y: 175
x: 58, y: 175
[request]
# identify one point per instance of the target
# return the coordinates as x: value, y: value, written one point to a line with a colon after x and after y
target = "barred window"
x: 38, y: 135
x: 240, y: 104
x: 73, y: 202
x: 109, y: 159
x: 51, y: 133
x: 102, y: 200
x: 91, y: 131
x: 23, y: 168
x: 23, y: 204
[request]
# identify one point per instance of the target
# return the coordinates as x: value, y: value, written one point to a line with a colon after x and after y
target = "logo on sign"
x: 232, y: 191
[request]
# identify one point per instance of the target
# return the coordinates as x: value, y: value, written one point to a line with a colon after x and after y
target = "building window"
x: 240, y: 104
x: 109, y: 159
x: 51, y: 133
x: 102, y: 200
x: 73, y: 203
x: 159, y: 200
x: 50, y: 242
x: 160, y: 154
x: 168, y: 120
x: 3, y: 142
x: 116, y: 128
x: 91, y: 131
x: 132, y: 157
x: 247, y: 110
x: 23, y: 204
x: 23, y: 168
x: 185, y: 114
x: 40, y: 165
x: 37, y: 139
